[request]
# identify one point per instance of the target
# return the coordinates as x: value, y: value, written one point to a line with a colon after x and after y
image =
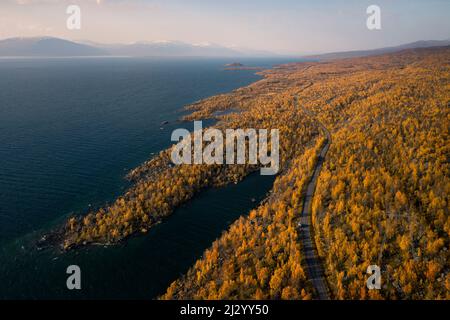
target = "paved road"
x: 314, y: 267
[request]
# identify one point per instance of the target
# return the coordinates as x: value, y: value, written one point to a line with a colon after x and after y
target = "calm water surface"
x: 70, y: 129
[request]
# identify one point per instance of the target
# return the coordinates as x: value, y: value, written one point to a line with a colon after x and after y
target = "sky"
x: 280, y: 26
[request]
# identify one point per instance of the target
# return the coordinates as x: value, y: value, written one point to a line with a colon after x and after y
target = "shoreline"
x: 56, y: 237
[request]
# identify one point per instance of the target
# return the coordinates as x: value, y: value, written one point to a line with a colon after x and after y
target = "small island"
x: 234, y: 64
x: 239, y: 66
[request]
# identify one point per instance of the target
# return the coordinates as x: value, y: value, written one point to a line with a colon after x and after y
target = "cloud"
x: 98, y: 2
x: 26, y: 2
x: 34, y: 28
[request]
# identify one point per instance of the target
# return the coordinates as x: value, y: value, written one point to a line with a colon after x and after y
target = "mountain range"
x: 55, y: 47
x: 364, y: 53
x: 46, y: 46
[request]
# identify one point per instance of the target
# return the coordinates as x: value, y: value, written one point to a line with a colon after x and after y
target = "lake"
x: 70, y: 129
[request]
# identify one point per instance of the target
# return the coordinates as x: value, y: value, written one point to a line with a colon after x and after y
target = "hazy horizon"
x: 283, y: 27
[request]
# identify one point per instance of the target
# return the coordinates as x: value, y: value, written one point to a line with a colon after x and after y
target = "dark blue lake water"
x: 70, y: 129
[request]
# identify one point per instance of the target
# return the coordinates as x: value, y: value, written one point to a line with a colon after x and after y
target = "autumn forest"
x: 381, y: 195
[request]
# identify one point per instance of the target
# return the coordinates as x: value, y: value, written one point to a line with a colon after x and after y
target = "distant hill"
x: 46, y: 47
x: 54, y: 47
x: 172, y: 49
x: 363, y: 53
x: 234, y: 64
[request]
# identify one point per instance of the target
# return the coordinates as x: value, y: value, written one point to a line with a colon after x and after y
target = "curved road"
x: 313, y: 263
